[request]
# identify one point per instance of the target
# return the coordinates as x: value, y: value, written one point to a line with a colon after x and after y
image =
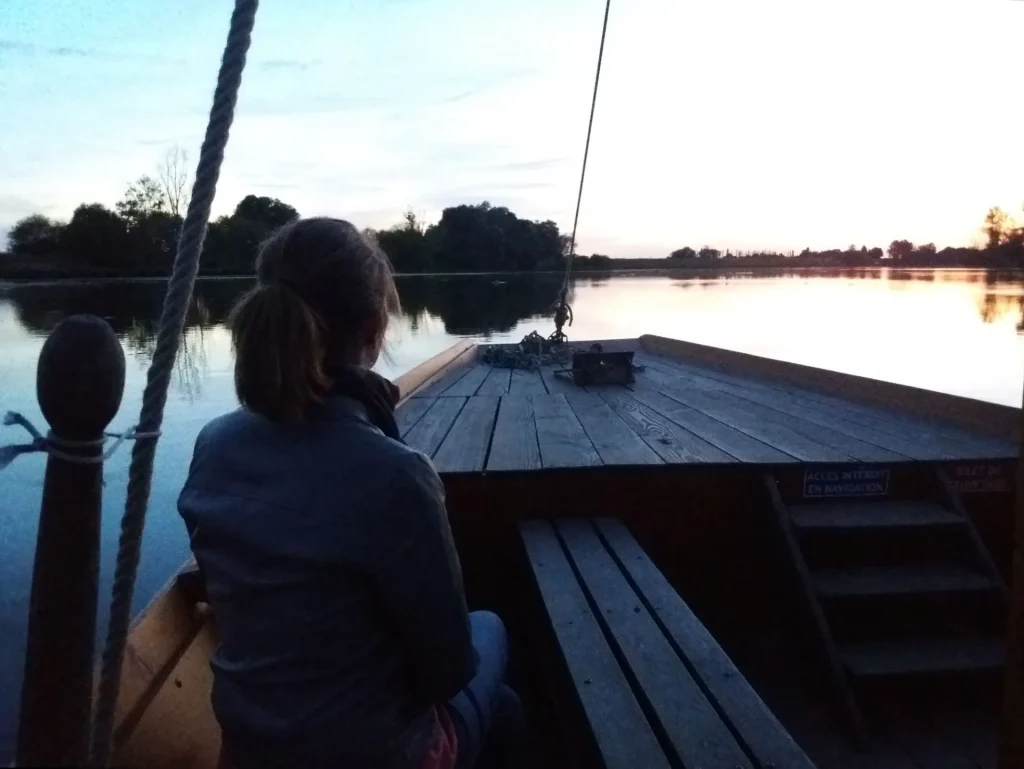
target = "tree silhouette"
x: 998, y: 226
x: 35, y: 235
x: 173, y: 175
x: 901, y: 250
x: 144, y: 197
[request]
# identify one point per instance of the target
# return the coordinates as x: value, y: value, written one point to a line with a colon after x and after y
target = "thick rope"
x: 154, y: 398
x: 586, y: 152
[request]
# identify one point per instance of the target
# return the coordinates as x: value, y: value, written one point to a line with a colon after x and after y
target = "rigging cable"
x: 563, y: 312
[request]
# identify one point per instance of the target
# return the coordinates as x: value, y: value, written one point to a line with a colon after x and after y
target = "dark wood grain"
x: 717, y: 402
x: 496, y: 382
x: 433, y: 426
x: 562, y: 440
x: 526, y: 382
x: 470, y: 383
x: 557, y: 383
x: 623, y: 736
x: 917, y: 444
x: 778, y: 433
x: 730, y: 440
x: 972, y: 416
x: 614, y: 440
x: 465, y: 447
x: 514, y: 445
x: 671, y: 442
x: 451, y: 375
x: 410, y: 412
x: 756, y: 725
x: 697, y: 733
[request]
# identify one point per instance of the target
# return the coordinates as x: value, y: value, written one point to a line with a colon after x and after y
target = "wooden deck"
x: 478, y: 418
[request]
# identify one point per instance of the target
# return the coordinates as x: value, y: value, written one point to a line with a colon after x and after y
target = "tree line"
x: 1003, y: 248
x: 138, y: 237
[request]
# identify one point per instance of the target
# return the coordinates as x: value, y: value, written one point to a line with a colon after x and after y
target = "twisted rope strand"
x: 154, y: 398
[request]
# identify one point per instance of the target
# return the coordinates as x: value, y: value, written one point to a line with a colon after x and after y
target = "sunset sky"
x: 736, y: 124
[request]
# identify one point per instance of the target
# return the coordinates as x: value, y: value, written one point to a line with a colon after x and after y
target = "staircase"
x: 894, y: 588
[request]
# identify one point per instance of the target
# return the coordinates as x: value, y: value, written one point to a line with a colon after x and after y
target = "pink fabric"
x: 443, y: 752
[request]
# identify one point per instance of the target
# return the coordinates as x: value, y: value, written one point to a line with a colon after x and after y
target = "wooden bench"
x: 655, y: 688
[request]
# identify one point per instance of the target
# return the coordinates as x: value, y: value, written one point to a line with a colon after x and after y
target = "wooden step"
x: 899, y: 580
x: 914, y: 656
x: 870, y: 515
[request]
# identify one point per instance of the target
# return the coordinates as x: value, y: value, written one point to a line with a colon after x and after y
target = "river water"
x: 955, y: 331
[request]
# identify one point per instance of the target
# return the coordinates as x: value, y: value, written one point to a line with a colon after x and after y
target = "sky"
x: 732, y: 123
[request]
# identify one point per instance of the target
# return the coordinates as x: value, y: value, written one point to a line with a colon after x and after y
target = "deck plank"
x: 831, y: 440
x: 514, y: 445
x: 672, y: 443
x: 465, y: 447
x: 755, y: 723
x: 447, y: 379
x: 432, y: 428
x: 562, y: 440
x: 557, y: 384
x: 470, y: 383
x: 410, y: 412
x: 776, y: 433
x: 934, y: 435
x: 730, y: 440
x: 620, y: 729
x: 694, y: 728
x: 791, y: 402
x: 614, y: 439
x: 526, y: 382
x: 496, y: 382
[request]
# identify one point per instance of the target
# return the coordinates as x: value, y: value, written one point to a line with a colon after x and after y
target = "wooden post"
x: 1011, y: 739
x: 79, y: 383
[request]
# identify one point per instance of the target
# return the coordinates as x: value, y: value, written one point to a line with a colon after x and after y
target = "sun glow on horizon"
x: 737, y: 125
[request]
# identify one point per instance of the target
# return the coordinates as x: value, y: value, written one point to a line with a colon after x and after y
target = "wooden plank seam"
x: 440, y: 443
x: 691, y: 669
x: 490, y: 437
x: 646, y: 706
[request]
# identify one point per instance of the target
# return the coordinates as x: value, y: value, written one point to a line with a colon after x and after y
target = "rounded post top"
x: 80, y: 377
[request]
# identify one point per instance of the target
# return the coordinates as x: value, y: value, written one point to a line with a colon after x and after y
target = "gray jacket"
x: 335, y: 586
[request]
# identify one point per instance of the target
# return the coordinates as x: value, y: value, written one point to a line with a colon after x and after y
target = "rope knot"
x: 54, y: 446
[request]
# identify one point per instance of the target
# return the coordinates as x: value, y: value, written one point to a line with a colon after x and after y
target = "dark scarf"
x: 377, y: 394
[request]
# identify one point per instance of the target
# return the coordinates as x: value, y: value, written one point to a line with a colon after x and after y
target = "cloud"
x: 13, y: 45
x: 299, y: 65
x: 61, y: 51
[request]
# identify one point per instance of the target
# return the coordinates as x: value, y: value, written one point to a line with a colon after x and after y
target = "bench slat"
x: 624, y: 738
x: 696, y: 731
x: 757, y: 726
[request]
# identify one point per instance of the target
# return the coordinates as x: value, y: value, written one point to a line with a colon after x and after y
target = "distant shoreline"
x: 43, y: 279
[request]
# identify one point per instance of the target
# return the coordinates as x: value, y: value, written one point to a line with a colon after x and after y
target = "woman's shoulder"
x: 338, y: 442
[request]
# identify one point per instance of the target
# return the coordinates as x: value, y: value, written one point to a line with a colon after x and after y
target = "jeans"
x: 487, y: 714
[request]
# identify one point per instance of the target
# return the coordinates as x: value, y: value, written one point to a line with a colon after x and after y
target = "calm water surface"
x: 954, y: 331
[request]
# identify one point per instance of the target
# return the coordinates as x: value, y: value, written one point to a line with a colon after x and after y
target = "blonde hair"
x: 325, y: 291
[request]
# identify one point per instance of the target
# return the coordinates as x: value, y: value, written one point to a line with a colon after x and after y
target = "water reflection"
x: 725, y: 307
x: 467, y: 305
x: 475, y: 306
